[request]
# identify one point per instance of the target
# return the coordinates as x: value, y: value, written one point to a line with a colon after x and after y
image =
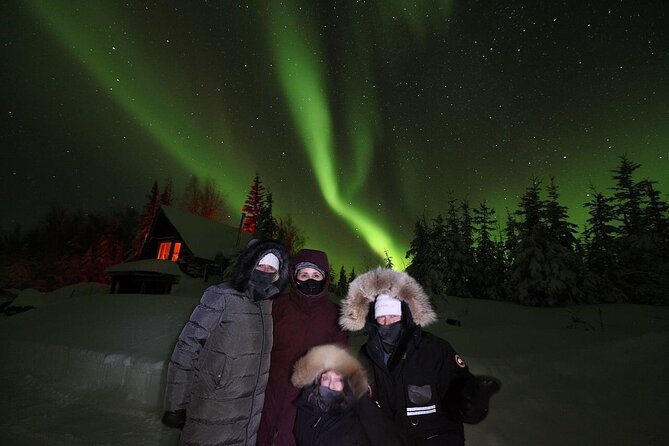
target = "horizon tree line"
x: 539, y: 259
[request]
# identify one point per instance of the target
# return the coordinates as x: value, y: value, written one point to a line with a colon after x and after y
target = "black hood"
x: 249, y: 258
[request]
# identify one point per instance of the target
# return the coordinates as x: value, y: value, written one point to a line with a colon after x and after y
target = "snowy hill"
x: 85, y: 367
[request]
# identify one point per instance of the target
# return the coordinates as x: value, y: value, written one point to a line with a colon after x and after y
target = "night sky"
x: 359, y: 116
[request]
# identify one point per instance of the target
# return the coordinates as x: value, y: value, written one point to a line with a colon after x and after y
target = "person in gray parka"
x: 218, y: 372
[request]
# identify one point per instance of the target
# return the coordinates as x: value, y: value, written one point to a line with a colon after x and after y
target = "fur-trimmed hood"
x: 330, y: 357
x: 249, y: 258
x: 364, y: 289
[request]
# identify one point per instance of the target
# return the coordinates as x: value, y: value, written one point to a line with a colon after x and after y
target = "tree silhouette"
x: 253, y: 205
x: 210, y: 203
x: 190, y: 199
x: 289, y: 234
x: 342, y: 283
x: 489, y: 269
x: 266, y: 225
x: 388, y: 261
x: 600, y: 257
x: 352, y: 276
x: 543, y: 270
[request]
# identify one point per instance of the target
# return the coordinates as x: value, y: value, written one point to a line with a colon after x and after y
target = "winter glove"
x: 475, y: 397
x: 174, y: 418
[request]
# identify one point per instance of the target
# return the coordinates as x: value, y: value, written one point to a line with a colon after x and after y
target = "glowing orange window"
x: 164, y: 250
x: 175, y: 253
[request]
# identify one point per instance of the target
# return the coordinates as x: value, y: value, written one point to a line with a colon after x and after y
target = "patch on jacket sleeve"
x: 419, y: 394
x: 459, y: 361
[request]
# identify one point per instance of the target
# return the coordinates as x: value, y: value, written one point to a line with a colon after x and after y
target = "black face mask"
x: 262, y: 286
x: 329, y: 399
x: 390, y: 335
x: 310, y: 287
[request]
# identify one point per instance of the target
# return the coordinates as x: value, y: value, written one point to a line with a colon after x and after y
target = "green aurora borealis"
x: 359, y: 116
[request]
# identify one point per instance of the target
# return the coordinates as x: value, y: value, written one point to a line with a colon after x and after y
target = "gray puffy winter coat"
x: 218, y: 371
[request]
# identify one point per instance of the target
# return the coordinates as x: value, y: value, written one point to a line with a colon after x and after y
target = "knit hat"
x: 303, y: 265
x: 271, y: 260
x: 387, y: 306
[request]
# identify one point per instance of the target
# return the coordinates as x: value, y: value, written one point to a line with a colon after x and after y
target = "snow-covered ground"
x: 88, y: 368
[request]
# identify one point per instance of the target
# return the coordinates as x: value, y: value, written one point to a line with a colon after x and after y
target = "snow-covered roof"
x: 205, y: 238
x: 147, y: 266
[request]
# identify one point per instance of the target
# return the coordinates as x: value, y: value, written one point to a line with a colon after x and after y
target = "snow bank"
x: 96, y: 341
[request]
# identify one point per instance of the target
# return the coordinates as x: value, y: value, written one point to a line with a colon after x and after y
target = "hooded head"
x: 415, y: 306
x: 330, y: 357
x: 310, y: 260
x: 269, y: 262
x: 248, y: 275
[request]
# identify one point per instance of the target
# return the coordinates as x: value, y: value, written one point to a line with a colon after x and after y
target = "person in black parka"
x: 417, y: 378
x: 334, y: 408
x: 218, y: 371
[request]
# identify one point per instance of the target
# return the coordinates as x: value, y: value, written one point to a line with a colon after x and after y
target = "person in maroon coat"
x: 303, y: 317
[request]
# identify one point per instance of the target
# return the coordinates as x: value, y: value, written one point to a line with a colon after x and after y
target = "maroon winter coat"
x: 300, y: 322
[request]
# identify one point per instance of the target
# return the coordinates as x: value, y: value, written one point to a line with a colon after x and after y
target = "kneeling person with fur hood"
x: 417, y: 378
x: 334, y: 407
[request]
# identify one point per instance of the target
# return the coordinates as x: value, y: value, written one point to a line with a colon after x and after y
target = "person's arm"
x: 467, y: 395
x: 186, y: 352
x: 475, y: 397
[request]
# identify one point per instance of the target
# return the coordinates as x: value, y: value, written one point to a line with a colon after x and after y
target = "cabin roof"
x: 205, y: 238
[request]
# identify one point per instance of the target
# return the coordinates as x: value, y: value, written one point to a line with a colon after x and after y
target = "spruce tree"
x: 420, y: 254
x: 253, y: 205
x: 512, y: 233
x: 654, y: 217
x: 167, y: 195
x: 466, y: 258
x: 556, y: 217
x: 266, y: 225
x: 527, y: 278
x: 146, y: 219
x: 342, y: 283
x: 627, y: 197
x: 387, y: 260
x: 488, y: 267
x: 566, y: 264
x: 541, y: 273
x: 636, y: 255
x: 654, y: 247
x: 450, y: 247
x: 440, y: 267
x: 601, y: 266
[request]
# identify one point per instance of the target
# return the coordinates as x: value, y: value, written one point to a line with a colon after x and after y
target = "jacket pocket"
x: 212, y: 374
x: 419, y: 394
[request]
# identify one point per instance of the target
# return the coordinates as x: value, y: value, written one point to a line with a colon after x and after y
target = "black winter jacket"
x: 420, y: 387
x: 359, y: 424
